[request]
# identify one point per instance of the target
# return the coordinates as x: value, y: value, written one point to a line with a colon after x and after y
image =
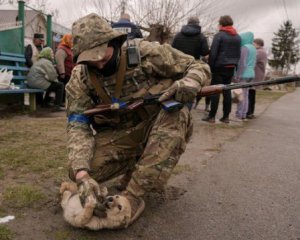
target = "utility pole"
x: 123, y: 6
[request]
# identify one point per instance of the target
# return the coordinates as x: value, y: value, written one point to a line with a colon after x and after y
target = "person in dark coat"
x: 32, y: 51
x: 191, y: 40
x: 223, y: 59
x: 126, y: 26
x: 33, y: 48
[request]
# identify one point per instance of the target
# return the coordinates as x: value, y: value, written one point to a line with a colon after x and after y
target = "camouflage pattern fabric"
x: 166, y: 142
x: 92, y: 31
x: 155, y: 143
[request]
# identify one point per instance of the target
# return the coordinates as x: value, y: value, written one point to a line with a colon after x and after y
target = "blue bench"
x: 16, y: 63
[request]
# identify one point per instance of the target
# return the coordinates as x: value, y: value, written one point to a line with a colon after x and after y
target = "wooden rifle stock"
x: 211, y: 90
x: 112, y: 107
x: 98, y: 109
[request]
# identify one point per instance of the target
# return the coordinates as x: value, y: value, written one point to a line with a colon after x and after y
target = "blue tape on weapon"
x: 79, y: 118
x: 118, y: 101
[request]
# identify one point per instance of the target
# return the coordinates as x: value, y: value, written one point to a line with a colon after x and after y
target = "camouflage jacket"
x: 157, y: 62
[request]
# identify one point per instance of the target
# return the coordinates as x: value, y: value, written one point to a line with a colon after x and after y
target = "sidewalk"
x: 249, y: 190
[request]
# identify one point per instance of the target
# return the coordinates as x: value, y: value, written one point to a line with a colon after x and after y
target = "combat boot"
x: 125, y: 180
x: 137, y: 205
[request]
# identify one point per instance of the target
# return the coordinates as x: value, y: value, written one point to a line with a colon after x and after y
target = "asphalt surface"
x: 250, y: 190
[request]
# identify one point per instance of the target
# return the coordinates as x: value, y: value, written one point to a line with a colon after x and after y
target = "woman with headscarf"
x: 64, y: 59
x: 43, y: 75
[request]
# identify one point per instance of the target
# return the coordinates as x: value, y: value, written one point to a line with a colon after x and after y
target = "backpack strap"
x: 99, y: 87
x: 120, y: 74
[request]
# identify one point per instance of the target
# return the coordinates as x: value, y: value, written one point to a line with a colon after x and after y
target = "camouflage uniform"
x: 148, y: 138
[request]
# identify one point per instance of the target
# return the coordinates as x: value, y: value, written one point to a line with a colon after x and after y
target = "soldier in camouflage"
x: 143, y: 144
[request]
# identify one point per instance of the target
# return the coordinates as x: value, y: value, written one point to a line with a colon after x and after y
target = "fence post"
x: 21, y: 17
x: 49, y: 30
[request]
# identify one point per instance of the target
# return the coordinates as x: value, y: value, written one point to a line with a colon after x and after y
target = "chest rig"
x: 127, y: 85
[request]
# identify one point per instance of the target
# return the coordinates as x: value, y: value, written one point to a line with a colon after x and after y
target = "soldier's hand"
x: 184, y: 91
x: 87, y: 187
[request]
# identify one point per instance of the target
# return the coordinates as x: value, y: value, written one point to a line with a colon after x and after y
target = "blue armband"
x: 118, y: 101
x: 79, y: 118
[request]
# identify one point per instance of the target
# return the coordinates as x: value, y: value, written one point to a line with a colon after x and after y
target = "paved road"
x: 250, y: 190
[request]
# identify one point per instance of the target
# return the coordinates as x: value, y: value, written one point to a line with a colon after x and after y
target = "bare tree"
x: 110, y: 9
x: 160, y: 18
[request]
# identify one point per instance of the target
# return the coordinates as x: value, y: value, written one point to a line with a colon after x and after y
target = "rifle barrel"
x: 206, y: 91
x: 262, y: 83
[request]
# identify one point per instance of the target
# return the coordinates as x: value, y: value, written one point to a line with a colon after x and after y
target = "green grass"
x: 5, y: 233
x: 62, y: 235
x: 21, y: 196
x: 1, y: 173
x: 268, y: 96
x: 180, y: 168
x: 34, y: 146
x: 228, y: 126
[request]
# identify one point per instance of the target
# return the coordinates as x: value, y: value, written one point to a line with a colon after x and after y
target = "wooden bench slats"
x: 28, y: 90
x: 12, y: 54
x: 16, y: 63
x: 12, y: 59
x: 15, y: 68
x: 19, y: 78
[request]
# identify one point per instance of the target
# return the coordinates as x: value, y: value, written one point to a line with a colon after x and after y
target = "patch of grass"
x: 1, y: 173
x: 180, y: 168
x: 229, y: 126
x: 217, y: 149
x: 3, y: 213
x: 268, y: 96
x: 21, y: 196
x: 84, y: 238
x: 44, y: 141
x: 5, y: 233
x: 62, y: 235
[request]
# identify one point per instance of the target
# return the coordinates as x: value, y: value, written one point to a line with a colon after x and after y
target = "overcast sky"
x: 262, y: 17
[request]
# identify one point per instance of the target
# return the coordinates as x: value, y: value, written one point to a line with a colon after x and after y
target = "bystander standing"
x: 223, y: 58
x: 260, y: 72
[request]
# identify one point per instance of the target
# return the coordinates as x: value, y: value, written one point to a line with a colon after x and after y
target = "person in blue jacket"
x: 125, y: 25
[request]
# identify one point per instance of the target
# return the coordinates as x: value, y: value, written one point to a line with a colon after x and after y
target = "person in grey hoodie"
x: 43, y: 75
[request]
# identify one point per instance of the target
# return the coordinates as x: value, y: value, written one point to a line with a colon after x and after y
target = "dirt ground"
x: 33, y: 163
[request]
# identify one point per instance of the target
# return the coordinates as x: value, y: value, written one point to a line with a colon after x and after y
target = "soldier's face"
x: 100, y: 64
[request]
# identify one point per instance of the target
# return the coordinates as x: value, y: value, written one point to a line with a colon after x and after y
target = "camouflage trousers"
x: 152, y: 148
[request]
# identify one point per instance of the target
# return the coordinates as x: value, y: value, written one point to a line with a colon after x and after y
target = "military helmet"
x: 91, y: 35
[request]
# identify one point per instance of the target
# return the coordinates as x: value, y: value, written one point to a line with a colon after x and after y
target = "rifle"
x: 172, y: 105
x: 217, y: 89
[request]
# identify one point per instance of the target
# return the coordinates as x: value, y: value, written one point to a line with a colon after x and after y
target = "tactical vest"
x: 127, y: 85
